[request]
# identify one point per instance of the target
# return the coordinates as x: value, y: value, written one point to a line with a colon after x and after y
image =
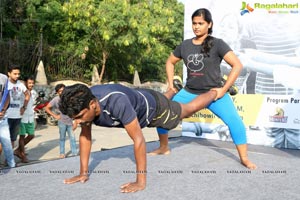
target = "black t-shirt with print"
x: 203, y: 72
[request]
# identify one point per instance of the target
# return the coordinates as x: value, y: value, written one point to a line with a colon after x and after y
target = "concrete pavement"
x: 45, y: 145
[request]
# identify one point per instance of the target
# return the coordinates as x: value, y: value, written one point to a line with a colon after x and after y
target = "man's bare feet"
x: 21, y: 156
x: 24, y: 159
x: 159, y: 151
x: 16, y: 153
x: 247, y: 163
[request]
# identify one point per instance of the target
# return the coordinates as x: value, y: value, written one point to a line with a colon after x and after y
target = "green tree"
x: 119, y: 36
x: 123, y: 33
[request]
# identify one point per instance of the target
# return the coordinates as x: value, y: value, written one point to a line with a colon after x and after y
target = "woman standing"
x: 202, y: 56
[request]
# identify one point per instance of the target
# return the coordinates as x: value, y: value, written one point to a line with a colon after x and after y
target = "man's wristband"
x: 24, y: 107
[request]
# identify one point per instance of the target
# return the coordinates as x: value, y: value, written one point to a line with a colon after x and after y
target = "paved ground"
x: 45, y: 145
x: 196, y: 169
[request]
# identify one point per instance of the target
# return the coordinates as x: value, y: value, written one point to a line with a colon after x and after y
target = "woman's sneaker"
x: 233, y: 90
x: 177, y: 83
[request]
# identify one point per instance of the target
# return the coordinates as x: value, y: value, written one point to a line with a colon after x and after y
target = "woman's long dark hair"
x: 206, y: 15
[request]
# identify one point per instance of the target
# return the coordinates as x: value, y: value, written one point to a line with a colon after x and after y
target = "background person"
x: 5, y: 141
x: 19, y: 97
x: 27, y: 122
x: 65, y: 123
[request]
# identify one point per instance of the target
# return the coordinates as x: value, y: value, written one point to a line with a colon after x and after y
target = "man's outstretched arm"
x: 85, y: 144
x: 135, y: 132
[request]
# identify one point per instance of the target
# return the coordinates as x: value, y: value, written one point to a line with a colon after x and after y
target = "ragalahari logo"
x: 246, y: 8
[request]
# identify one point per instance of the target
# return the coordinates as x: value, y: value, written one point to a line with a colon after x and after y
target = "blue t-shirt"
x: 120, y: 105
x: 203, y: 72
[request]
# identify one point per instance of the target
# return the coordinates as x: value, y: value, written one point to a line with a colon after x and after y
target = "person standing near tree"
x: 202, y: 56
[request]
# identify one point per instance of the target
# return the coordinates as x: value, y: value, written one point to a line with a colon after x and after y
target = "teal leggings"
x: 222, y: 108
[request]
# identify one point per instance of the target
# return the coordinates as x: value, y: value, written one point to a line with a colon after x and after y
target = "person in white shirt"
x: 27, y: 122
x: 19, y: 97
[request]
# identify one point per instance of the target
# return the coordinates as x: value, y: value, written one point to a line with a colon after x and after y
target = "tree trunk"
x: 104, y: 58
